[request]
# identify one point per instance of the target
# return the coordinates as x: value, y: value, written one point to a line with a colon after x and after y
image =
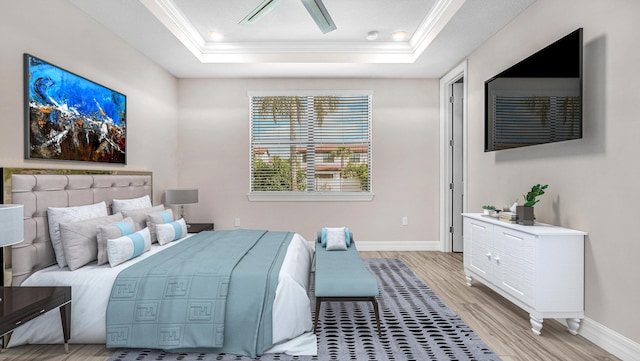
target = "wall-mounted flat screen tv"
x: 538, y: 100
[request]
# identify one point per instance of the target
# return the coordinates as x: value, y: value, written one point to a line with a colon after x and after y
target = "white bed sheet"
x: 91, y: 288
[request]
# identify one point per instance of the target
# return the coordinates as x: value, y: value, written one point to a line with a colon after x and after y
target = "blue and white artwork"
x: 71, y: 118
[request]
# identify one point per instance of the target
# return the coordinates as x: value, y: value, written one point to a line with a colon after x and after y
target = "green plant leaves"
x: 536, y: 191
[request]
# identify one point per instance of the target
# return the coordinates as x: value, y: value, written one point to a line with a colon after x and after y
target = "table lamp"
x: 11, y: 229
x: 181, y: 196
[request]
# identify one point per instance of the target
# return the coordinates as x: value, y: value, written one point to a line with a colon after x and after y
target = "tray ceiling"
x: 286, y: 42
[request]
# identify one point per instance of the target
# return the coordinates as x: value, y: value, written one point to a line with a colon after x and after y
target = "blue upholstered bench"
x: 342, y: 276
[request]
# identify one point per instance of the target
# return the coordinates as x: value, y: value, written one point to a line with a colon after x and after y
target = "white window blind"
x: 311, y: 143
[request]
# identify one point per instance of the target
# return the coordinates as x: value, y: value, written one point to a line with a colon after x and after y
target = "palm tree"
x: 293, y: 108
x: 323, y: 105
x: 342, y: 152
x: 288, y: 107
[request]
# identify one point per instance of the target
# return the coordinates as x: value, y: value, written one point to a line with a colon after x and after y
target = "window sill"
x: 310, y: 197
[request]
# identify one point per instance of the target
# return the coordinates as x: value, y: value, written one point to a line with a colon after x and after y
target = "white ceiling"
x: 287, y: 43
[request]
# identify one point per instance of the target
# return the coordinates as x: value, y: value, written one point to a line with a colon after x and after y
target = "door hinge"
x: 451, y: 142
x: 451, y: 98
x: 451, y: 186
x: 451, y: 229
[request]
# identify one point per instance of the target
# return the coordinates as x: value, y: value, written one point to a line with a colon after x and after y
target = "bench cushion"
x: 343, y: 274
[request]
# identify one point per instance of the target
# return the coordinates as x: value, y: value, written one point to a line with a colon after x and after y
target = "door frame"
x: 455, y: 74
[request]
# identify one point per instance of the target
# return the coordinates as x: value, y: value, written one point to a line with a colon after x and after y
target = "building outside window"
x: 310, y: 143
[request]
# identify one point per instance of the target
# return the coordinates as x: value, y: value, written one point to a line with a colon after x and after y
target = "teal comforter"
x: 213, y: 291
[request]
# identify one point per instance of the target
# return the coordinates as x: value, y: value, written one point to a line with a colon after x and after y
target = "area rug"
x: 416, y: 325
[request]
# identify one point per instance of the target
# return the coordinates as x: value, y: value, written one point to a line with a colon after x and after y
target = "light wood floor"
x: 503, y: 326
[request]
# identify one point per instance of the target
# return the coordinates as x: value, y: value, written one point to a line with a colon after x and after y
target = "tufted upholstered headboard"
x: 37, y: 192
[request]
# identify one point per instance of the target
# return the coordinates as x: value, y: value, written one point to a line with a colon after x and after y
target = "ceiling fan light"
x: 399, y: 35
x: 216, y: 36
x: 320, y: 15
x: 263, y: 9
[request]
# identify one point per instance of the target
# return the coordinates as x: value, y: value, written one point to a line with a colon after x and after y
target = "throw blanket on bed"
x: 180, y: 297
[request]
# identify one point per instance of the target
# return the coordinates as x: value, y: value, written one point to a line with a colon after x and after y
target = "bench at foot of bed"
x: 341, y: 276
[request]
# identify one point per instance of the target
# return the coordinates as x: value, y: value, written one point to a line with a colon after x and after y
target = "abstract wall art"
x: 68, y: 117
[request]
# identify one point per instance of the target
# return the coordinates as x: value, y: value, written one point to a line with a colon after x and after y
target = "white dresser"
x: 540, y: 268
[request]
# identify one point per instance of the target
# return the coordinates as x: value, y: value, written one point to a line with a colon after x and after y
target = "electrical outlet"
x: 405, y: 221
x: 236, y: 222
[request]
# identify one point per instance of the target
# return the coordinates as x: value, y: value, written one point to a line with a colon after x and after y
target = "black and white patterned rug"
x: 416, y: 325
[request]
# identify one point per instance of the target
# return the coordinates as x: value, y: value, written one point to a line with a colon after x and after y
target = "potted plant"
x: 488, y: 209
x: 525, y: 212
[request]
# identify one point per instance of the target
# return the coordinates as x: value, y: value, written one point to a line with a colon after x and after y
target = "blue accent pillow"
x: 112, y: 231
x: 323, y: 238
x: 347, y: 236
x: 122, y: 249
x: 171, y: 231
x: 153, y: 219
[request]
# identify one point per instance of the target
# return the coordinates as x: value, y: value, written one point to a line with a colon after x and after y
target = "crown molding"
x: 170, y: 16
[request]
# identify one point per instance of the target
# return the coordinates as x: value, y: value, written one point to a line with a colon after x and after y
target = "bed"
x: 34, y: 263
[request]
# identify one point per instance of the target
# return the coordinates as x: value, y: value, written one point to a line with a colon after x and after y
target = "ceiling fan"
x: 315, y: 8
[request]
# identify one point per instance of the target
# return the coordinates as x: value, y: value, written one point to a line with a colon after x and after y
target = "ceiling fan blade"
x: 263, y: 9
x: 320, y: 15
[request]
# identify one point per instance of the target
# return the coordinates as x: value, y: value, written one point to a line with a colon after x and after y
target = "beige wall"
x: 58, y: 32
x: 205, y: 143
x: 592, y: 182
x: 214, y: 157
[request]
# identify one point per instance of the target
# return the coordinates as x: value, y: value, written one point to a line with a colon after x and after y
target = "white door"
x: 457, y: 177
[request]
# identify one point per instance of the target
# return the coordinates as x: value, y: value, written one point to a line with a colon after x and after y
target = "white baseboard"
x: 606, y: 338
x: 398, y: 246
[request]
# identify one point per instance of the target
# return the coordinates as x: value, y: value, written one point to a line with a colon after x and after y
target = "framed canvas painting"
x: 68, y: 117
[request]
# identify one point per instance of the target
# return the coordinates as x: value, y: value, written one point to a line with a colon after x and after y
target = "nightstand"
x: 21, y: 304
x: 199, y: 227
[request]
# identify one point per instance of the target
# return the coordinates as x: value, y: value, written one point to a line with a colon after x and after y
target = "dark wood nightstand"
x: 199, y: 227
x: 21, y: 304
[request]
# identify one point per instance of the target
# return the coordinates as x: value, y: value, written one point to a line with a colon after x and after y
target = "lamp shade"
x: 11, y: 224
x: 181, y: 196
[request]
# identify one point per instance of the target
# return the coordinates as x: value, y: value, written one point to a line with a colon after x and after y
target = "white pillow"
x: 156, y: 218
x: 79, y: 240
x: 139, y: 216
x: 111, y: 231
x: 57, y: 215
x: 169, y: 232
x: 119, y: 205
x: 127, y: 247
x: 336, y: 239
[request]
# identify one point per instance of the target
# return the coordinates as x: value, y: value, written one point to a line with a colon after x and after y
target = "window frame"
x: 306, y: 196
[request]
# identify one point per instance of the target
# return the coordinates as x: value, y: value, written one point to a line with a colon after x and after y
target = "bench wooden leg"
x: 373, y: 301
x: 375, y: 310
x: 315, y: 321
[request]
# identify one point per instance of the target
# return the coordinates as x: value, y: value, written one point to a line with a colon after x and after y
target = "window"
x: 311, y: 145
